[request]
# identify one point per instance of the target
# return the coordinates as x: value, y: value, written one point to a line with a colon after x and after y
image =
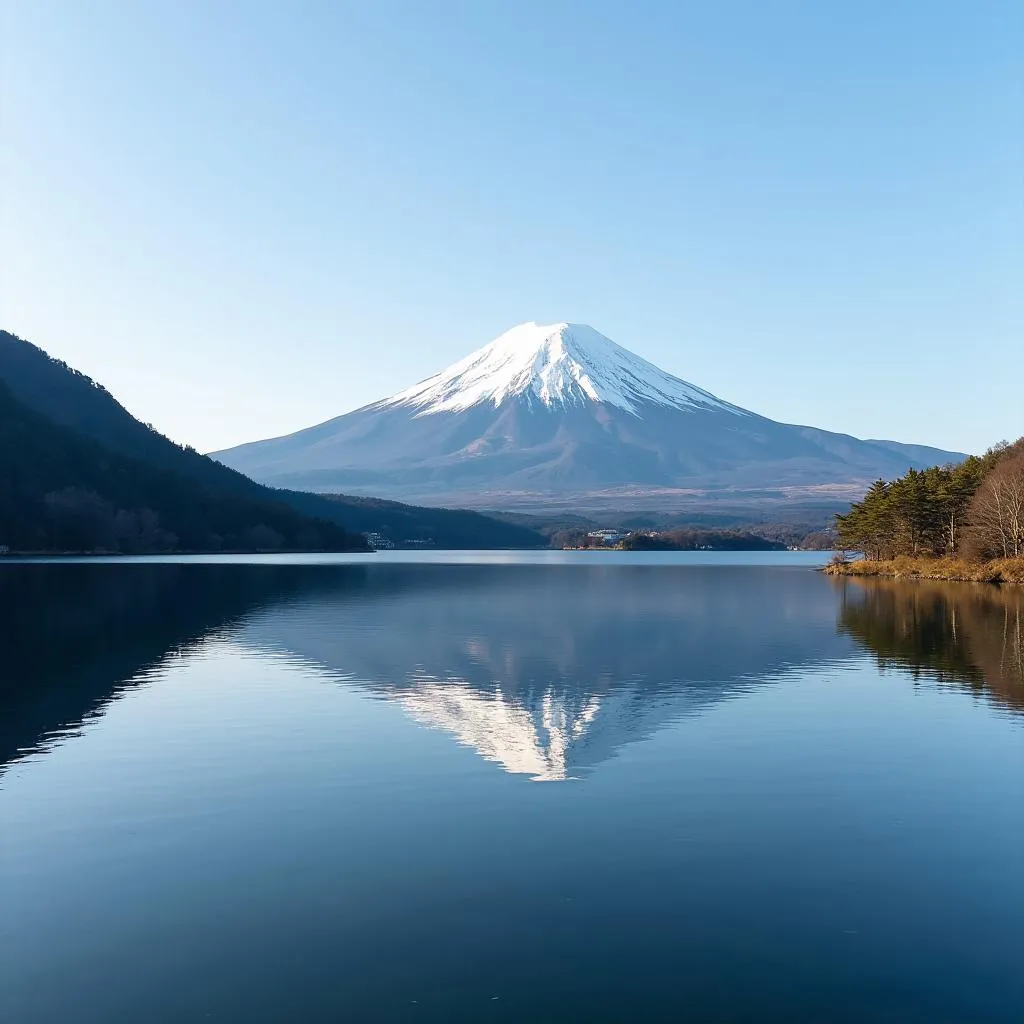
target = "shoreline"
x: 999, y: 571
x: 15, y: 555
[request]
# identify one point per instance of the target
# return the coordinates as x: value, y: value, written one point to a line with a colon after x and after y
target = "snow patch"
x: 556, y: 365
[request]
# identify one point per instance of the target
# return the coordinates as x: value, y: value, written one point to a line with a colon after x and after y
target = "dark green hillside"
x: 60, y: 491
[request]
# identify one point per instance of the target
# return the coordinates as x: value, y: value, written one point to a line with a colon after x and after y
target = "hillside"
x: 68, y: 397
x: 413, y: 525
x: 64, y: 397
x: 65, y: 492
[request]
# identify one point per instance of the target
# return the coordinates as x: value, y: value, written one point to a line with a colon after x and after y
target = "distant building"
x: 379, y: 542
x: 606, y: 536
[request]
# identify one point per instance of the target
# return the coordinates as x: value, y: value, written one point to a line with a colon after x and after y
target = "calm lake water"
x: 507, y: 788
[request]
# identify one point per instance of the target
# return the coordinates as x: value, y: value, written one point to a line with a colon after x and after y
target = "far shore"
x: 998, y: 571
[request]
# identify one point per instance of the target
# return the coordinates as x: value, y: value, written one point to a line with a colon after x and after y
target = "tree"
x: 80, y: 520
x: 263, y: 538
x: 996, y: 513
x: 870, y: 525
x: 913, y: 507
x: 956, y: 488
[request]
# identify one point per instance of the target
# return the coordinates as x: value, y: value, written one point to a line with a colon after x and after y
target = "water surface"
x: 500, y: 787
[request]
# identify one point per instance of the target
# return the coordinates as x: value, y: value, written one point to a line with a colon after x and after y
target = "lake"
x: 507, y: 787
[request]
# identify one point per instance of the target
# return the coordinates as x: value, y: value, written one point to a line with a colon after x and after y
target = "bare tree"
x: 996, y: 515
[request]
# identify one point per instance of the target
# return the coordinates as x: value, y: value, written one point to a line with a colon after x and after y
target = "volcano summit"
x: 558, y: 413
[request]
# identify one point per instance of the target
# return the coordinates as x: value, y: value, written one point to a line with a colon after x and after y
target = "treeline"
x: 815, y: 534
x: 700, y: 540
x: 682, y: 539
x: 973, y: 510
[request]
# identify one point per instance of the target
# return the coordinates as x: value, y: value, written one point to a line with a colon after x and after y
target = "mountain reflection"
x: 544, y: 670
x: 968, y: 634
x: 549, y: 670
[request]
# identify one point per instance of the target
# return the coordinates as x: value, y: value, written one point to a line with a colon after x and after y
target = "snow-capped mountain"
x: 560, y: 413
x: 553, y: 365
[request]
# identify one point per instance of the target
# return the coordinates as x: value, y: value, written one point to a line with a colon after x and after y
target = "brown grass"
x: 998, y: 570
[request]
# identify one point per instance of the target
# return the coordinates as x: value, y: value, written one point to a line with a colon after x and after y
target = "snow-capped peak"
x: 557, y: 365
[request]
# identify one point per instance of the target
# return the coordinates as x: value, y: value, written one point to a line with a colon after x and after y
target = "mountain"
x: 80, y: 436
x: 552, y: 412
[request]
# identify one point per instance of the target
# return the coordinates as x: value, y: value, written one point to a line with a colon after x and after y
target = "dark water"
x: 608, y: 790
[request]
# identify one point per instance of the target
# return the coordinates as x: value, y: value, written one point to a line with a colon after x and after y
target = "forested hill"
x: 415, y: 525
x: 70, y: 398
x: 63, y: 397
x: 62, y: 491
x: 79, y: 473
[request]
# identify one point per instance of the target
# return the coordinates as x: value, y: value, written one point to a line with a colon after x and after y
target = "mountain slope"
x: 556, y: 411
x: 62, y: 491
x: 68, y: 398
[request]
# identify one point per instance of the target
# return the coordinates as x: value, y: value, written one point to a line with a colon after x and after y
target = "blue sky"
x: 246, y: 218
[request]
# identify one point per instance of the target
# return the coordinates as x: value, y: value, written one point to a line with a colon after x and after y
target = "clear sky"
x: 244, y: 218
